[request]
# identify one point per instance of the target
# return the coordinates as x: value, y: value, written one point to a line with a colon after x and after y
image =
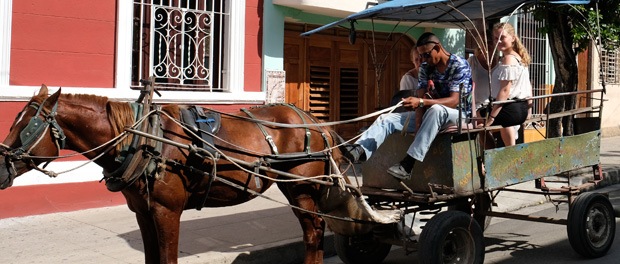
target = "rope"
x: 334, y: 123
x: 348, y: 219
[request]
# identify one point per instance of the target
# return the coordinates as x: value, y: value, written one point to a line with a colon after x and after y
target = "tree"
x: 570, y: 30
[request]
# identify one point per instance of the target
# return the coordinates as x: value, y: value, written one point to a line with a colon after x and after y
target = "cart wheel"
x: 481, y: 205
x: 591, y: 225
x: 361, y: 249
x: 451, y: 237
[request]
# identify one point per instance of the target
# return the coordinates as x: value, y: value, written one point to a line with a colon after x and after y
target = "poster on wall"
x: 275, y: 87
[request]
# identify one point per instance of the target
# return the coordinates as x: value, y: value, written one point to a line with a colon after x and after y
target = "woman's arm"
x: 504, y: 90
x: 502, y: 95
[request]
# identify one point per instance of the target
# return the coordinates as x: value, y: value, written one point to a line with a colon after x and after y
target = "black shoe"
x: 354, y: 152
x: 397, y: 171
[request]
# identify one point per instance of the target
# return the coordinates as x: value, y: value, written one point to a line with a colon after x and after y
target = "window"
x: 180, y: 43
x: 349, y: 95
x: 610, y: 66
x: 320, y: 87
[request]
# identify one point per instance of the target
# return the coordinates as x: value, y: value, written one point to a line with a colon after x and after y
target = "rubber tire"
x: 591, y: 213
x: 361, y: 249
x: 448, y: 232
x: 483, y: 204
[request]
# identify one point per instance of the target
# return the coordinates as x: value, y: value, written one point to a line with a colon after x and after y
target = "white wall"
x: 610, y: 125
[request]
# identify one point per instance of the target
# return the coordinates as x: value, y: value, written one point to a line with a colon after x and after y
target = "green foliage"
x: 607, y: 20
x: 586, y: 21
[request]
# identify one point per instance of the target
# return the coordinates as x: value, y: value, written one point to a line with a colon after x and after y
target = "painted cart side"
x: 530, y: 161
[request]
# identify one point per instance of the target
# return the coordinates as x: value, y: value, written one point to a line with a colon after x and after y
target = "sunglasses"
x: 427, y: 55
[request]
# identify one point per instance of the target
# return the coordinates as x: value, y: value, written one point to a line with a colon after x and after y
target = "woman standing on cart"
x: 511, y: 78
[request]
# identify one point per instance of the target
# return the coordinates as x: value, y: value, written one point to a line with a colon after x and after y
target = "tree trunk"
x: 560, y: 38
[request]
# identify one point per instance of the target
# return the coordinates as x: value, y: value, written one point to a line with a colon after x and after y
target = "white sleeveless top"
x: 519, y: 75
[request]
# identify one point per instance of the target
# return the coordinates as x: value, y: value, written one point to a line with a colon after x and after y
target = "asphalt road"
x: 517, y: 241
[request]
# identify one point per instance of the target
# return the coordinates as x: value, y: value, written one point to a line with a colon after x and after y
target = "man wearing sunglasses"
x: 442, y: 77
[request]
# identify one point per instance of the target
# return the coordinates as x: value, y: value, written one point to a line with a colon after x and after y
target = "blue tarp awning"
x: 439, y: 11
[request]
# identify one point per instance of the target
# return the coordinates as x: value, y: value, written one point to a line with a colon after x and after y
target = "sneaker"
x: 397, y: 171
x: 355, y: 153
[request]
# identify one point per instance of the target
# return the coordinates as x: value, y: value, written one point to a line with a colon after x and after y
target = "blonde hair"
x: 517, y: 45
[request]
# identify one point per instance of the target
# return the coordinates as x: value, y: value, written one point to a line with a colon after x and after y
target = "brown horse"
x: 89, y: 121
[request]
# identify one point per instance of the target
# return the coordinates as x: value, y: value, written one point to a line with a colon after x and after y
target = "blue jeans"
x: 436, y: 118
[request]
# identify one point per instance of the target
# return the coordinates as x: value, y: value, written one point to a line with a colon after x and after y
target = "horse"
x: 182, y: 179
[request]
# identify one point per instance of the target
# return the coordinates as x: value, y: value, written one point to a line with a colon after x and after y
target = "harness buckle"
x: 274, y: 148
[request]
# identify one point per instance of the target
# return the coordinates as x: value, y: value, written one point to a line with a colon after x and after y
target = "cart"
x: 455, y: 187
x: 449, y: 188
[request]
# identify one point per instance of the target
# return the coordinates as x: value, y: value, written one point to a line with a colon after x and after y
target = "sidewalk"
x: 259, y: 231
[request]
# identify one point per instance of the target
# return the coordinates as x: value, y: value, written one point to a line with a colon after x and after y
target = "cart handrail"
x: 547, y: 96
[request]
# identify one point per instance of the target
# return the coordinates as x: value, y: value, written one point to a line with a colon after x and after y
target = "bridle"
x: 32, y: 134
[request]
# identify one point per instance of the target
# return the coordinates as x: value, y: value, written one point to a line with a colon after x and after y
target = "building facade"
x: 200, y: 52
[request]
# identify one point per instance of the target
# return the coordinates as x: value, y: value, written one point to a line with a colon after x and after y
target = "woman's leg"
x: 509, y: 136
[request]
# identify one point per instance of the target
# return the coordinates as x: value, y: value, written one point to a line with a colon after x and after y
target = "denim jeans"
x: 436, y: 118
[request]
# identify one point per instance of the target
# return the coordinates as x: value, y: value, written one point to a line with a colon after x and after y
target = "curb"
x: 610, y: 173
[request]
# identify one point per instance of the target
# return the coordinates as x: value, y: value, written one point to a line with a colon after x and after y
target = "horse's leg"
x: 159, y: 227
x: 144, y: 217
x: 167, y: 224
x: 313, y: 226
x: 149, y: 238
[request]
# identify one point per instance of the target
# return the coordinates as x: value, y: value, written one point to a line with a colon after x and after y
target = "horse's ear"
x: 43, y: 90
x: 54, y: 97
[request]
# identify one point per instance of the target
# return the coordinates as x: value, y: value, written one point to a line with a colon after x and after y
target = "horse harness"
x: 203, y: 124
x: 306, y: 154
x: 140, y: 157
x: 143, y: 156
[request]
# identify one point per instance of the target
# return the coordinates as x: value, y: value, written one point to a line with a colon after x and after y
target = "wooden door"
x: 336, y: 81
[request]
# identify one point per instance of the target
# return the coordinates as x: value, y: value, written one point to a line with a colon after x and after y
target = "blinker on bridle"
x: 32, y: 134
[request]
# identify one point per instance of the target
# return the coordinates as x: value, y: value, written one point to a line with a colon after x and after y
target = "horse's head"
x: 34, y: 138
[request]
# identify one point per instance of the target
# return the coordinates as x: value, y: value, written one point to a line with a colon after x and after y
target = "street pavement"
x: 510, y: 241
x: 256, y: 232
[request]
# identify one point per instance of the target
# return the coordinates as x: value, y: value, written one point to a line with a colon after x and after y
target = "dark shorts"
x: 512, y: 114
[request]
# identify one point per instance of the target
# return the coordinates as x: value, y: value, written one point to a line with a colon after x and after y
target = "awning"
x: 439, y: 11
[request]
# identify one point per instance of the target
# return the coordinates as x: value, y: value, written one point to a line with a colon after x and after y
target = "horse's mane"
x: 120, y: 114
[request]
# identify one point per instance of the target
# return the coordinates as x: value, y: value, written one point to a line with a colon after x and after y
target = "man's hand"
x: 411, y: 102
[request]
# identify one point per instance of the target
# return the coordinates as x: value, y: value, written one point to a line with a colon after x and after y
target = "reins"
x: 116, y: 140
x: 324, y: 124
